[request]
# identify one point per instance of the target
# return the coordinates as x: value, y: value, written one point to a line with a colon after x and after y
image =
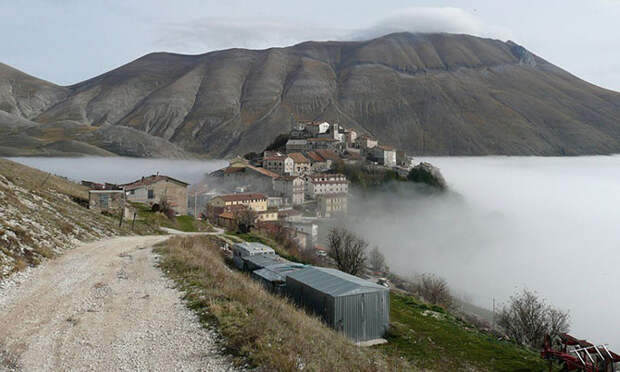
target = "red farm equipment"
x: 579, y: 355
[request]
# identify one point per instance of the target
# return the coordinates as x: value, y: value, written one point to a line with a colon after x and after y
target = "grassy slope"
x: 39, y: 217
x: 430, y: 338
x: 257, y: 327
x: 443, y: 343
x: 146, y: 217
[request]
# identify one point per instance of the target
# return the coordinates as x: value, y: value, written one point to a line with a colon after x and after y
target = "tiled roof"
x: 328, y: 155
x: 322, y: 139
x: 145, y: 181
x: 227, y: 215
x: 315, y: 157
x: 242, y: 197
x: 298, y: 157
x: 263, y: 171
x: 260, y: 170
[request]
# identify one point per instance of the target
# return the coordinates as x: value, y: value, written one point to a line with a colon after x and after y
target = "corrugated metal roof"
x: 278, y: 272
x: 264, y: 260
x: 254, y: 247
x: 334, y: 282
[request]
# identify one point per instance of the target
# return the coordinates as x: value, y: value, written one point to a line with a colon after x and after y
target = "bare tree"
x: 434, y: 289
x: 347, y: 250
x: 165, y: 207
x: 376, y: 260
x: 527, y: 319
x: 246, y: 219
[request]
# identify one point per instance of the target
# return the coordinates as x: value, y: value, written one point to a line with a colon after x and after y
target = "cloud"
x: 214, y: 33
x: 211, y: 33
x: 432, y: 19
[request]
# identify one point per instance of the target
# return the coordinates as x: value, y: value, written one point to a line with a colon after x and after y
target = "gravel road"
x: 103, y: 306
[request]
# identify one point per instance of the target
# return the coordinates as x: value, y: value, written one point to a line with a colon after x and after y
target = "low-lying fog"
x: 548, y: 224
x: 122, y: 170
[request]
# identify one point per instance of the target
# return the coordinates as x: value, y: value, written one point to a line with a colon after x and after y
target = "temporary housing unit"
x: 354, y: 306
x: 247, y: 249
x: 273, y: 277
x: 257, y: 262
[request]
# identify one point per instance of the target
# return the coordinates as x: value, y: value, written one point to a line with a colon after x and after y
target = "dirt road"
x: 103, y: 306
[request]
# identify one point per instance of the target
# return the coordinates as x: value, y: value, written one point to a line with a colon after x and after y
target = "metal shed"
x: 274, y: 277
x: 247, y: 249
x: 257, y: 262
x: 358, y: 308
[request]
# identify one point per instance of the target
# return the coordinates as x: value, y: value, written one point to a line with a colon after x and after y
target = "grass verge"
x: 259, y: 328
x: 430, y: 338
x: 182, y: 223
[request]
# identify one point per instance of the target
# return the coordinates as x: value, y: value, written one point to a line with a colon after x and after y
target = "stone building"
x: 385, y: 155
x: 290, y: 188
x: 256, y: 202
x: 329, y: 205
x: 110, y: 201
x: 152, y: 189
x: 322, y: 184
x: 278, y: 163
x: 293, y: 145
x: 301, y: 164
x: 365, y: 142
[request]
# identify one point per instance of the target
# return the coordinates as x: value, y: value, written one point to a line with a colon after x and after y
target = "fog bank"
x: 548, y: 224
x: 122, y: 169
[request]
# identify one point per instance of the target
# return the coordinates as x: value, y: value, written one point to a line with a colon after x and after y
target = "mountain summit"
x: 431, y: 94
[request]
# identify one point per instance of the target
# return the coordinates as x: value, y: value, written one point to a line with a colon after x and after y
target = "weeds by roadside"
x: 257, y: 327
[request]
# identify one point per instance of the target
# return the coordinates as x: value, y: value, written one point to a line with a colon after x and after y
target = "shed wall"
x: 360, y: 317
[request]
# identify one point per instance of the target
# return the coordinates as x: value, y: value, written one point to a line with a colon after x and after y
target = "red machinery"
x: 580, y: 355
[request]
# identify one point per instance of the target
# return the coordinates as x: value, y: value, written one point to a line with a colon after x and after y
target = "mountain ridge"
x: 430, y: 94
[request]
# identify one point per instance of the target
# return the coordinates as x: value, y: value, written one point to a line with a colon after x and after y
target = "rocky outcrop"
x: 431, y: 94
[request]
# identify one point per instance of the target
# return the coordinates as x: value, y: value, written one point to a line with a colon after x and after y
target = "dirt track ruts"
x: 103, y: 306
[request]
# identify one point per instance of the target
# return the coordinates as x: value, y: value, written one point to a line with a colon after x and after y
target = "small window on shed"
x: 132, y: 192
x: 151, y: 194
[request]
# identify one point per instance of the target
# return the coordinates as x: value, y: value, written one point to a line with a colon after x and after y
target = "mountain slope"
x: 39, y: 217
x: 434, y: 94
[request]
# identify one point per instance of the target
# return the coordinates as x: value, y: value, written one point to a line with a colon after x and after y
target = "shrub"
x: 527, y: 319
x: 433, y: 289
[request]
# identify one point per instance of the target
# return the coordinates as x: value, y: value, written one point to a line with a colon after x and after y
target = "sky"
x: 67, y: 41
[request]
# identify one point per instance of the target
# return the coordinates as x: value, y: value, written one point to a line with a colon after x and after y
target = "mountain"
x: 431, y: 94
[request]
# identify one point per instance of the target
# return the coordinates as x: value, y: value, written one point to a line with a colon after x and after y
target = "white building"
x: 325, y: 184
x: 317, y: 128
x: 291, y: 188
x: 331, y: 205
x: 385, y: 155
x: 278, y: 163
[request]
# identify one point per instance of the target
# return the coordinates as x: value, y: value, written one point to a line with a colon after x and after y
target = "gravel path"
x: 103, y: 306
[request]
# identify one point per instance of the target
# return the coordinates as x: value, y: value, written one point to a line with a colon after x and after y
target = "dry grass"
x: 257, y: 327
x: 35, y: 179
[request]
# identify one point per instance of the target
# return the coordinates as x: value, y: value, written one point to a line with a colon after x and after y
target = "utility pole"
x: 493, y: 321
x: 195, y: 205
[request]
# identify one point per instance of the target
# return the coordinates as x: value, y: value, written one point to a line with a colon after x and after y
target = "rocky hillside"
x: 433, y: 94
x: 39, y: 217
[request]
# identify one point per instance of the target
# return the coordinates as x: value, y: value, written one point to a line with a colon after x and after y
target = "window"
x: 104, y: 201
x: 151, y: 194
x: 132, y: 192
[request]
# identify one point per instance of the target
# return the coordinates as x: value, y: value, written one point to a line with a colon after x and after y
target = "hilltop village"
x: 295, y: 182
